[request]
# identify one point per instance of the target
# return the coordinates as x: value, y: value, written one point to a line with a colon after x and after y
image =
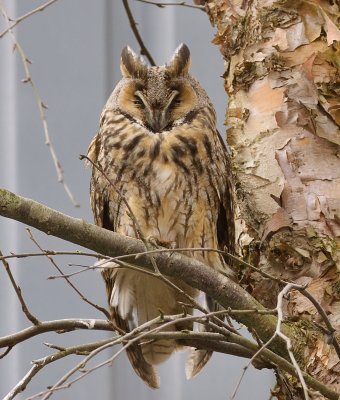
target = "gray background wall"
x: 75, y: 48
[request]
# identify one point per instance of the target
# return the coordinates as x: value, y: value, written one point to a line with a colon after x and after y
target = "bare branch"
x: 163, y: 5
x: 17, y: 289
x: 144, y: 51
x: 23, y: 17
x: 198, y: 340
x: 82, y: 364
x: 133, y: 336
x: 191, y: 271
x: 53, y: 253
x: 42, y: 362
x: 62, y: 325
x: 96, y: 306
x: 277, y: 332
x: 153, y: 251
x: 154, y: 334
x: 4, y: 353
x: 331, y: 330
x: 214, y: 341
x: 41, y: 106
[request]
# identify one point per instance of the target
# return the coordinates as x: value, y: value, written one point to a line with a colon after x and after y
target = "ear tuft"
x: 181, y: 60
x: 131, y: 65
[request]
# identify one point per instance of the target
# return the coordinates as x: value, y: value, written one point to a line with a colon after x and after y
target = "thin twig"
x: 62, y: 325
x: 4, y: 353
x: 144, y: 51
x: 64, y: 378
x: 194, y: 339
x: 153, y: 251
x: 230, y: 337
x: 17, y: 289
x: 54, y: 253
x: 85, y: 268
x: 68, y: 325
x: 208, y: 249
x: 191, y: 271
x: 41, y: 105
x: 278, y: 332
x: 132, y: 216
x: 84, y: 298
x: 23, y: 17
x: 131, y: 337
x: 141, y: 332
x: 163, y: 5
x: 221, y: 326
x: 42, y: 362
x: 330, y: 329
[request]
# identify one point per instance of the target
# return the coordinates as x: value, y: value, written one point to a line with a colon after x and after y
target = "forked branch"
x: 194, y: 273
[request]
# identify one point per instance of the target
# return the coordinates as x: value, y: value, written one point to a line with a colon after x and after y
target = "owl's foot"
x: 158, y: 242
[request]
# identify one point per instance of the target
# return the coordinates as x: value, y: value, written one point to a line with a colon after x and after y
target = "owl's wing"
x: 134, y: 350
x: 101, y: 193
x: 99, y: 189
x: 225, y: 227
x: 225, y: 221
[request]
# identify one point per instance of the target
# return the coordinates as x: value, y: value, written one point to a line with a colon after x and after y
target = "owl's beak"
x: 158, y: 120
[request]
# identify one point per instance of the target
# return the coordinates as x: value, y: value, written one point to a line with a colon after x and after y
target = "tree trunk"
x: 282, y: 64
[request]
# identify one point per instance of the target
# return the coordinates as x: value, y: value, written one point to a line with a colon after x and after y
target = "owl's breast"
x: 164, y: 177
x: 166, y: 191
x: 170, y: 182
x: 170, y: 201
x: 158, y: 200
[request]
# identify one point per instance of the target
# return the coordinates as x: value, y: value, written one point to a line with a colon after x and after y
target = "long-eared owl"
x: 159, y: 156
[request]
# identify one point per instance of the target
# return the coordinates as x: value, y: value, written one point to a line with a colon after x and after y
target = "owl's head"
x: 161, y: 97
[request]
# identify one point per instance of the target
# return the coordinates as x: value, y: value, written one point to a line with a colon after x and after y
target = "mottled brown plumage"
x: 160, y: 148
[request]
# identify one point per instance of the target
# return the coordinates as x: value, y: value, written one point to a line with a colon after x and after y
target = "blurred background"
x: 74, y: 47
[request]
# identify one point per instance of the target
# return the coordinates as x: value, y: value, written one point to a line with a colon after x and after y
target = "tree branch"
x: 230, y: 344
x: 41, y: 106
x: 17, y: 289
x: 23, y: 17
x: 65, y: 325
x: 81, y: 295
x: 191, y: 271
x: 42, y: 362
x: 100, y: 240
x: 163, y: 5
x: 144, y: 51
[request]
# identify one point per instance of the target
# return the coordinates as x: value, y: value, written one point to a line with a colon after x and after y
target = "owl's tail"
x: 197, y: 359
x: 136, y: 299
x: 135, y: 355
x: 155, y: 298
x: 142, y: 368
x: 144, y: 354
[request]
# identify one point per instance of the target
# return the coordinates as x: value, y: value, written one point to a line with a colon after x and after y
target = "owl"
x: 161, y: 168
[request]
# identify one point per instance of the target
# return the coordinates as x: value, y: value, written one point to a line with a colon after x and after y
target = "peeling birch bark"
x: 282, y: 61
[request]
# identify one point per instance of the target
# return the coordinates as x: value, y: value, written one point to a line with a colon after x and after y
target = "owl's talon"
x: 153, y: 241
x: 168, y: 244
